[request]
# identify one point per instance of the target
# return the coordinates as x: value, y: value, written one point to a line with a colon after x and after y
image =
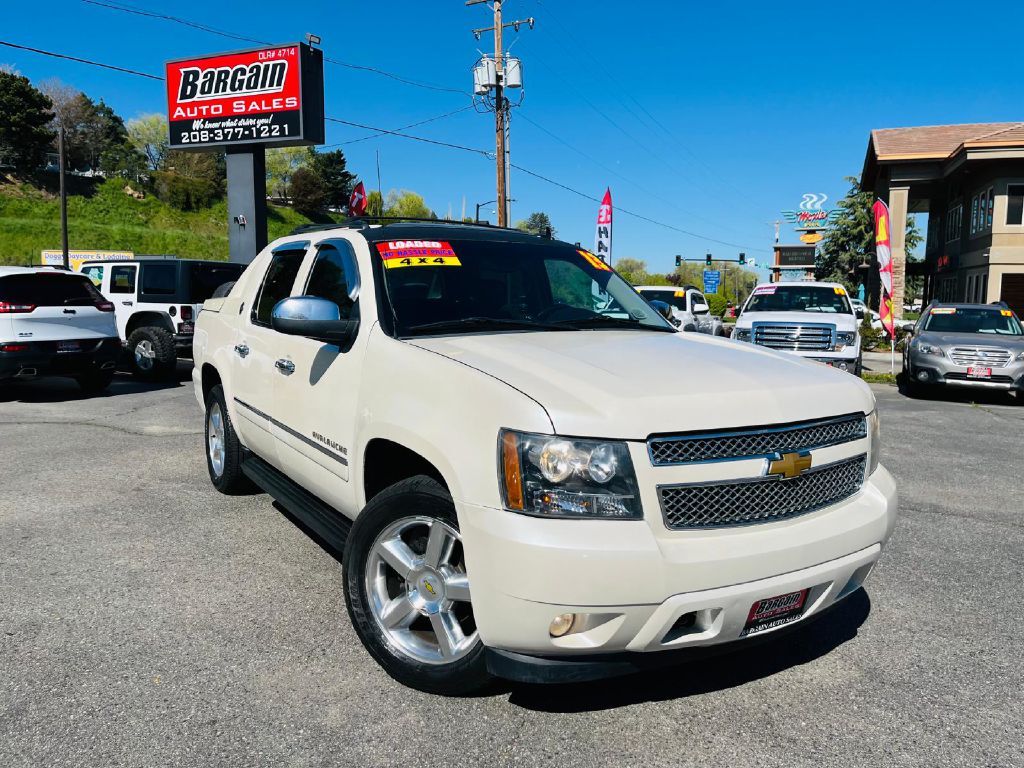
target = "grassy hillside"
x: 105, y: 218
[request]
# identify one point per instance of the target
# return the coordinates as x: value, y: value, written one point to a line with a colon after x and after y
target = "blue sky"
x: 710, y: 117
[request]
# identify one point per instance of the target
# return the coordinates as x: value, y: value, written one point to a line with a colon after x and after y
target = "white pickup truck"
x: 813, y: 320
x: 530, y: 474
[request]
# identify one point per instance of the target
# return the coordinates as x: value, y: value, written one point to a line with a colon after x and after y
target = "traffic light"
x: 679, y: 260
x: 707, y: 260
x: 743, y: 259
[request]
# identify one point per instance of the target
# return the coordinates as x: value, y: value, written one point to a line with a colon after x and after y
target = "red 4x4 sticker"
x: 417, y: 253
x: 594, y: 261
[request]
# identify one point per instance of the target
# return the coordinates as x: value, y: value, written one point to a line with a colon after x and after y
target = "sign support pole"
x: 247, y: 202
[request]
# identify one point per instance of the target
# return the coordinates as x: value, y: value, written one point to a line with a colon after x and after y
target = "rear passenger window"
x: 277, y: 284
x: 160, y: 279
x: 122, y: 279
x: 327, y: 279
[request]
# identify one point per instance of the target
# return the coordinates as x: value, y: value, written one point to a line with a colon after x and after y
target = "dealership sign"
x: 812, y: 215
x: 271, y: 96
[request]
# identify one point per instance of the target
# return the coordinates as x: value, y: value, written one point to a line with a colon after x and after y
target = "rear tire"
x: 94, y: 382
x: 152, y: 352
x: 407, y: 591
x: 223, y: 449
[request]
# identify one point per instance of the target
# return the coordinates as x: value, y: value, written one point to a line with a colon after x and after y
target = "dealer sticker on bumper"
x: 775, y: 611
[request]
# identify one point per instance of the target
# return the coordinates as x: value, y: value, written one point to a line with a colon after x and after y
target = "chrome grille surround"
x: 981, y: 357
x: 729, y: 445
x: 795, y: 337
x: 720, y: 504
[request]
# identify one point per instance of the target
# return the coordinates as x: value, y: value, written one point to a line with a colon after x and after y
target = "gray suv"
x: 965, y: 345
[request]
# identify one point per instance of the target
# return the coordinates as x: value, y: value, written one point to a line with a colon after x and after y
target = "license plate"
x: 979, y: 373
x: 186, y: 328
x: 68, y: 346
x: 775, y: 611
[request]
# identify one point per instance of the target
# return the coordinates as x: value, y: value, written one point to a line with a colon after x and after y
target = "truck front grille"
x: 981, y: 357
x: 766, y: 499
x: 793, y: 337
x: 754, y: 443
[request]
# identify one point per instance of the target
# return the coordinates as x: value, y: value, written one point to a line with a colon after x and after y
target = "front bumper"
x: 640, y: 590
x: 933, y: 369
x: 42, y: 358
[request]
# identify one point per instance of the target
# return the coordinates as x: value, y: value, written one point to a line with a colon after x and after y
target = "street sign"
x: 712, y: 279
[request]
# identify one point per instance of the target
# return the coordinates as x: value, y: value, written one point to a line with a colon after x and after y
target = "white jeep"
x: 809, y: 319
x: 529, y: 473
x: 156, y: 301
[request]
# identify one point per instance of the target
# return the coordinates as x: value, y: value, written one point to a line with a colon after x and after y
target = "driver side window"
x: 329, y: 280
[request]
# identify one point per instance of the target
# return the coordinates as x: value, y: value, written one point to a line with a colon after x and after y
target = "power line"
x: 620, y: 209
x: 243, y: 38
x: 80, y: 61
x: 412, y: 137
x: 403, y: 128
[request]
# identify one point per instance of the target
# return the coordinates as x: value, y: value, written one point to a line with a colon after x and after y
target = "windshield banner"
x: 884, y: 254
x: 603, y: 237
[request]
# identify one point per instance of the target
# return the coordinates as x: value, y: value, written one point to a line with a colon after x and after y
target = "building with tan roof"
x: 969, y: 179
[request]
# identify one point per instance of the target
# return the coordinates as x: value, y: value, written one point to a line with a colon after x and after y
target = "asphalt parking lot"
x: 147, y: 620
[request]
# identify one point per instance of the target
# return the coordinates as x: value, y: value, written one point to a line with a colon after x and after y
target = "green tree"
x: 850, y: 239
x: 538, y: 223
x: 331, y: 169
x: 189, y: 180
x: 406, y: 204
x: 91, y: 128
x: 632, y: 270
x: 308, y: 192
x: 25, y: 115
x: 281, y: 166
x: 148, y: 135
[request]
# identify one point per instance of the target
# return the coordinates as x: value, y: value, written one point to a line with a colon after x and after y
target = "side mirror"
x: 908, y: 329
x: 314, y: 318
x: 859, y: 313
x: 700, y: 309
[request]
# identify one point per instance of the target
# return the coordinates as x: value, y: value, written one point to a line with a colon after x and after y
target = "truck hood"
x: 841, y: 322
x: 1015, y: 343
x: 632, y: 384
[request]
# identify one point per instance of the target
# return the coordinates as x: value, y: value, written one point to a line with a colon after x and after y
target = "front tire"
x: 152, y: 352
x: 407, y: 590
x: 223, y: 449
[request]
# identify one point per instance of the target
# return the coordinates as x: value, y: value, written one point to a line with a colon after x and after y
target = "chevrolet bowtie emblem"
x: 790, y: 465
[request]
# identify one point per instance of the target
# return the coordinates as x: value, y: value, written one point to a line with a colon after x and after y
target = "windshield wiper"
x: 485, y: 324
x: 604, y: 321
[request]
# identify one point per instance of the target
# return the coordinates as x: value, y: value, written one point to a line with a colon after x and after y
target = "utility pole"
x: 63, y: 201
x: 501, y: 104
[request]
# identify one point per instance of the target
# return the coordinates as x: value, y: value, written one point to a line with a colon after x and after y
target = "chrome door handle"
x: 287, y: 367
x: 127, y: 303
x: 241, y: 350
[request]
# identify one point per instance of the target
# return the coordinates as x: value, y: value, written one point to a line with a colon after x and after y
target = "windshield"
x: 997, y: 321
x: 799, y: 298
x: 467, y: 286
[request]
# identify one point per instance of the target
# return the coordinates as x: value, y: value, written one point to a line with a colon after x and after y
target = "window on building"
x: 954, y: 221
x: 974, y: 215
x: 1015, y: 204
x: 991, y: 208
x: 969, y: 294
x: 984, y: 288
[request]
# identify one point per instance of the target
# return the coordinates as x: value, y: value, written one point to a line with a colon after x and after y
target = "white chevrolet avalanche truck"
x: 529, y: 474
x: 813, y: 320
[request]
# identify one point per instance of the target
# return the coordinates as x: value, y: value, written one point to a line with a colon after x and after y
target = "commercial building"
x: 969, y: 179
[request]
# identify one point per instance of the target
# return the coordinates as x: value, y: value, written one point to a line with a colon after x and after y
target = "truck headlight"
x: 874, y: 441
x: 741, y: 334
x: 551, y: 476
x: 845, y: 339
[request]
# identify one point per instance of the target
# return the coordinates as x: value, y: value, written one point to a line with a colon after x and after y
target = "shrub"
x: 717, y: 302
x: 185, y: 194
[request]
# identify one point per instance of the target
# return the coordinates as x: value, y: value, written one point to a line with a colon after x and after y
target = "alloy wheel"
x: 418, y: 590
x: 145, y: 355
x: 215, y: 439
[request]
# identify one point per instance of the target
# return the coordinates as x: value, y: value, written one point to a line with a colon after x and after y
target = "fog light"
x: 561, y: 624
x: 844, y: 367
x: 922, y: 375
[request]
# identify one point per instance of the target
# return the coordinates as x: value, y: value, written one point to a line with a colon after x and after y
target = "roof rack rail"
x: 364, y: 222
